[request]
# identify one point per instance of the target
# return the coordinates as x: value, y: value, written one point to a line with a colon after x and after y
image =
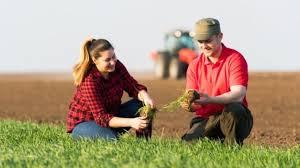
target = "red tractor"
x: 180, y: 50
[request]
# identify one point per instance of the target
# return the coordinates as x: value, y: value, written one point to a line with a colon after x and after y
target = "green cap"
x: 207, y: 27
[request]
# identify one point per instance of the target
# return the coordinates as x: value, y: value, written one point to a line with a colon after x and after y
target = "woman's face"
x: 106, y: 62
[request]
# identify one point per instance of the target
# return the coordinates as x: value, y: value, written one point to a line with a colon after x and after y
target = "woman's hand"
x: 139, y: 123
x: 145, y: 97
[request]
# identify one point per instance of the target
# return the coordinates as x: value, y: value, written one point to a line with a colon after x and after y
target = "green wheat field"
x: 27, y: 144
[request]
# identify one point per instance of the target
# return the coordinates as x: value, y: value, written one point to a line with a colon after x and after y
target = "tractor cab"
x: 180, y: 49
x: 177, y: 40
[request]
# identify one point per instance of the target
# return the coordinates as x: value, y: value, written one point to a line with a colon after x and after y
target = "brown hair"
x: 90, y: 48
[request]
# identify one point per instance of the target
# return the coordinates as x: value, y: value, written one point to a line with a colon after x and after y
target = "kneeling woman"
x: 100, y: 78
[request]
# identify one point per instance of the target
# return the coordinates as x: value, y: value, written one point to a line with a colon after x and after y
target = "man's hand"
x: 188, y: 104
x: 204, y: 99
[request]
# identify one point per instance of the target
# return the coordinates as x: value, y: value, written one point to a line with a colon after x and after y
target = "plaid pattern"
x: 99, y: 99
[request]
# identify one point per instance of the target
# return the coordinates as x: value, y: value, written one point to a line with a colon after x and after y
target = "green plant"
x: 147, y: 111
x: 187, y: 97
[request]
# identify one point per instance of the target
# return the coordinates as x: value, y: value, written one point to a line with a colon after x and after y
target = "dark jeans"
x: 231, y: 126
x: 91, y: 130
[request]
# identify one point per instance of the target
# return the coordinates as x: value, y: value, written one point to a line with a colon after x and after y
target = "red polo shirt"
x: 215, y: 79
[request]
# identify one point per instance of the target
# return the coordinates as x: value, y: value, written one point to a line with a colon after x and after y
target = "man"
x: 220, y: 76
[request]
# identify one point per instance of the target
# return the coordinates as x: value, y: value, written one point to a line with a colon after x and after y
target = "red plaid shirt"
x: 99, y: 99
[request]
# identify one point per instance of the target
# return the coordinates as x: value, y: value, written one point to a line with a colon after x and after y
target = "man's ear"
x: 221, y: 36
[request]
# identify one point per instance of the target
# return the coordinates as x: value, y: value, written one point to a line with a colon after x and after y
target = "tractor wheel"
x: 176, y: 68
x: 162, y: 66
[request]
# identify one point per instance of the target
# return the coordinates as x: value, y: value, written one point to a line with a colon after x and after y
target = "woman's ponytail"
x: 85, y: 61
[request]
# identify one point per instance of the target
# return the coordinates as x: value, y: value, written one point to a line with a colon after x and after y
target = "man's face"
x: 211, y: 46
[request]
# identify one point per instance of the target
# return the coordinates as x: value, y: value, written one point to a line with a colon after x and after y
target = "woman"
x: 100, y: 79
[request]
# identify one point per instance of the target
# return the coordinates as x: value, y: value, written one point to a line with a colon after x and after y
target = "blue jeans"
x: 91, y: 130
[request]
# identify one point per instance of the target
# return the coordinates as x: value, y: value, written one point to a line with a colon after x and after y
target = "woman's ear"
x: 94, y: 60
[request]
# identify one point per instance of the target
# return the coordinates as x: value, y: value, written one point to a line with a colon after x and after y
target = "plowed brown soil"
x: 274, y: 99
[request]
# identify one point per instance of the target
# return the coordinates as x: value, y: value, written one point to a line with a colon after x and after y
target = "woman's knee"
x: 134, y: 103
x: 130, y: 108
x: 91, y: 130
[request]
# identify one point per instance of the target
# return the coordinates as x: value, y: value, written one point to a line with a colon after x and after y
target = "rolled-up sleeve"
x: 92, y: 92
x: 131, y: 86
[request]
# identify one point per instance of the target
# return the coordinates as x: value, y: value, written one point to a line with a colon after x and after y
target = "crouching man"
x: 220, y: 76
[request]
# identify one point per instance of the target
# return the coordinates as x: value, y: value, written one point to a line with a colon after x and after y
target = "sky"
x: 45, y: 36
